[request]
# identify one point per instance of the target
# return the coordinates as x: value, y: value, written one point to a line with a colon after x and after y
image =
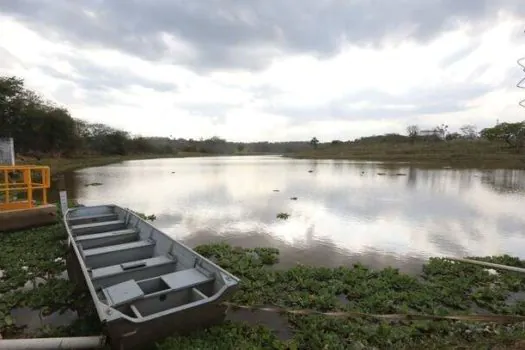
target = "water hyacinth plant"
x: 32, y: 265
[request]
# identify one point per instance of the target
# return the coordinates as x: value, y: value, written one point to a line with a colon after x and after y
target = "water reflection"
x: 345, y: 211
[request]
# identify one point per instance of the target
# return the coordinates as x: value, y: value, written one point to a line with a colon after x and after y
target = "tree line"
x: 511, y: 135
x: 42, y: 128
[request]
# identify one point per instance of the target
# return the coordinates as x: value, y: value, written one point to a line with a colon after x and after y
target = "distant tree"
x: 413, y: 131
x: 469, y: 131
x: 512, y: 133
x: 441, y: 131
x: 453, y: 136
x: 314, y: 142
x: 336, y: 142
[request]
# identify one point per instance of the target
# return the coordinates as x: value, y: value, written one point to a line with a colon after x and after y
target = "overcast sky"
x: 270, y: 69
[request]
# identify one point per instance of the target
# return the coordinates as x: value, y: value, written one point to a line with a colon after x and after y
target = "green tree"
x: 314, y: 142
x: 512, y: 133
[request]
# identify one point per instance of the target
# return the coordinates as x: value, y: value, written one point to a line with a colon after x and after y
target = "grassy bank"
x: 59, y: 165
x: 456, y: 153
x: 443, y: 288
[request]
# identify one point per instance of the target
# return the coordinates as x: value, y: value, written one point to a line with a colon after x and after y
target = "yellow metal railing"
x: 21, y: 184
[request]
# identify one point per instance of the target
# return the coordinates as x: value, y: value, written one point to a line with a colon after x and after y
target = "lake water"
x: 345, y: 211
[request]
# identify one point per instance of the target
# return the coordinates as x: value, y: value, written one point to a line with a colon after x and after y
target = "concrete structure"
x: 7, y: 151
x: 12, y: 220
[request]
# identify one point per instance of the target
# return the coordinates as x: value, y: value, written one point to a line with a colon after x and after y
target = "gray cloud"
x: 432, y: 100
x: 8, y: 60
x: 231, y: 33
x: 460, y: 54
x: 97, y: 77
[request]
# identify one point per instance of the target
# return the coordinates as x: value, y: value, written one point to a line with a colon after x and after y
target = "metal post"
x: 43, y: 174
x: 29, y: 186
x: 63, y: 194
x: 6, y: 182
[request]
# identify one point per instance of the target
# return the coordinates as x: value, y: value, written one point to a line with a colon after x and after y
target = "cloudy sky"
x: 268, y: 69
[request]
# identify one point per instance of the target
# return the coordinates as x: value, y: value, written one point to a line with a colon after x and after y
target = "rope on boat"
x: 504, y: 319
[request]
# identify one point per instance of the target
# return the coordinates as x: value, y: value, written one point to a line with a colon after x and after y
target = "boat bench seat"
x: 130, y: 290
x: 137, y: 270
x: 118, y: 254
x: 98, y: 227
x: 107, y: 238
x: 122, y: 293
x: 186, y: 279
x: 79, y: 220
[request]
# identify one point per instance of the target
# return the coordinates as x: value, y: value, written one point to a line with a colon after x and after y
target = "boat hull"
x: 174, y: 302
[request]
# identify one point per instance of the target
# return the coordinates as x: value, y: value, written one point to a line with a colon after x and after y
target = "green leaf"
x: 8, y: 320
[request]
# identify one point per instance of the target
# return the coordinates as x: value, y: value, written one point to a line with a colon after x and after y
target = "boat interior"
x: 135, y: 268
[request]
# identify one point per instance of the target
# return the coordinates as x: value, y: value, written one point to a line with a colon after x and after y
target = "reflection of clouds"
x: 427, y: 212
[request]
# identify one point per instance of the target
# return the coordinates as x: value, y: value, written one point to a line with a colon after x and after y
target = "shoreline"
x: 480, y: 154
x: 492, y: 164
x: 63, y: 164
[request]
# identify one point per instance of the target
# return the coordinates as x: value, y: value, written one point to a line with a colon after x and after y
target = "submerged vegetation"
x: 32, y: 264
x: 93, y: 184
x: 283, y: 216
x: 151, y: 217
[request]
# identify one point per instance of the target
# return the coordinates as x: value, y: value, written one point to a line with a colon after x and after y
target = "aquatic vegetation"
x: 227, y: 336
x: 283, y: 216
x: 94, y: 184
x: 35, y: 259
x: 31, y: 261
x: 443, y: 288
x: 151, y: 217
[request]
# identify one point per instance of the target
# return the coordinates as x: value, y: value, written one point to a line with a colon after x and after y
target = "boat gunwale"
x: 107, y: 313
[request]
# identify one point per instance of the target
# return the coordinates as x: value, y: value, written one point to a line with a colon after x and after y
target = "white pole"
x: 63, y: 201
x: 63, y: 194
x: 7, y: 151
x: 94, y: 342
x: 488, y: 264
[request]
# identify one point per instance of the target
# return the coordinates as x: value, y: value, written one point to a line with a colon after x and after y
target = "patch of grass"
x: 457, y: 153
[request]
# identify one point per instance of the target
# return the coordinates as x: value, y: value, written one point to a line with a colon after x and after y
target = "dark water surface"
x: 344, y: 213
